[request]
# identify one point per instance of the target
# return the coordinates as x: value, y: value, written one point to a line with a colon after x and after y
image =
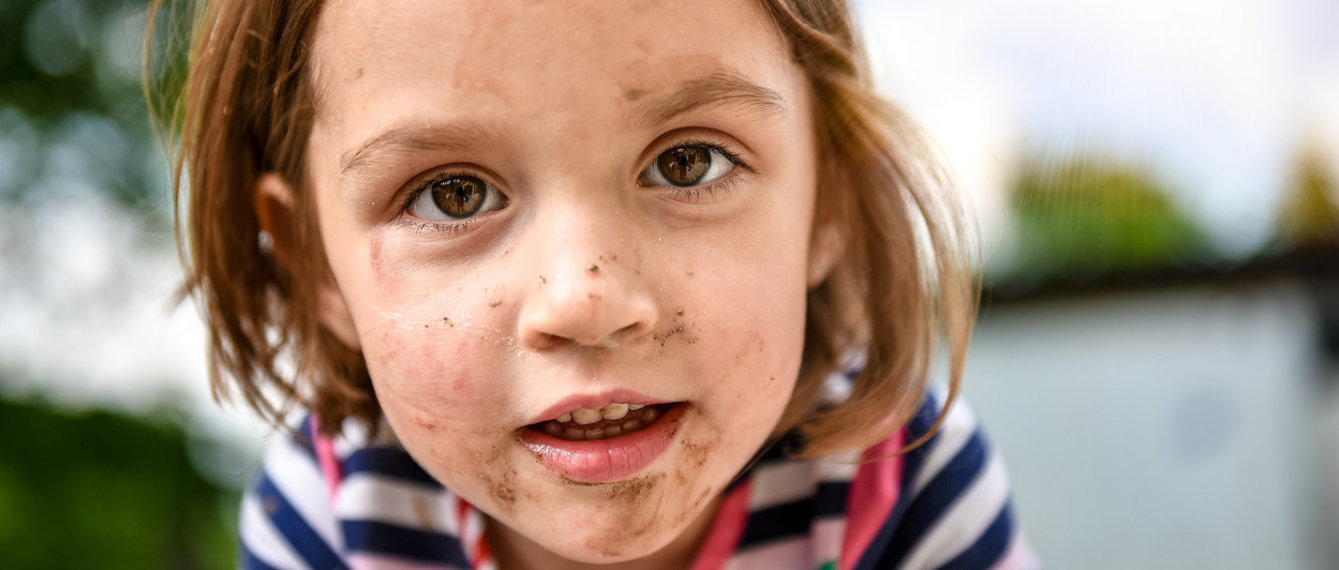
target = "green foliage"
x: 1083, y: 220
x: 104, y: 490
x: 72, y: 110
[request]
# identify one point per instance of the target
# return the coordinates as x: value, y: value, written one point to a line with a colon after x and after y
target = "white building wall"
x: 1171, y: 428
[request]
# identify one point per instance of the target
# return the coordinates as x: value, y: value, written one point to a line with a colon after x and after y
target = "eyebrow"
x: 719, y: 88
x: 456, y: 136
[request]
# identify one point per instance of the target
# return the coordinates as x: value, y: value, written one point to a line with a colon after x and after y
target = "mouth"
x: 610, y: 443
x: 613, y: 420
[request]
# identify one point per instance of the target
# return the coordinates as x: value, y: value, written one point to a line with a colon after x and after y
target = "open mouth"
x: 613, y: 420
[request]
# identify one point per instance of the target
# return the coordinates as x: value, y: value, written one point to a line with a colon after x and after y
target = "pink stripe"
x: 874, y: 492
x: 325, y: 456
x: 726, y: 529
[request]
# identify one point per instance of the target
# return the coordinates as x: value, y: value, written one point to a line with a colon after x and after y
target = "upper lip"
x: 594, y: 402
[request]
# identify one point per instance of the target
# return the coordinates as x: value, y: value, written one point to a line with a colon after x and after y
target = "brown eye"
x: 689, y: 165
x: 685, y: 165
x: 459, y: 196
x: 455, y: 198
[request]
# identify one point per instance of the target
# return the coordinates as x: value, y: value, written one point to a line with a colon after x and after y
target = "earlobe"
x: 276, y: 209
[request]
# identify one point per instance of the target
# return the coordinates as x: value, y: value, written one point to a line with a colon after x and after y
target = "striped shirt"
x: 360, y: 502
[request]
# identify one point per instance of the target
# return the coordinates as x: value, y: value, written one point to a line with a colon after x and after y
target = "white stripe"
x: 781, y: 483
x: 839, y: 468
x: 1019, y: 555
x: 827, y: 535
x: 966, y: 518
x: 297, y: 477
x: 782, y: 554
x: 952, y: 435
x: 383, y: 499
x: 262, y: 539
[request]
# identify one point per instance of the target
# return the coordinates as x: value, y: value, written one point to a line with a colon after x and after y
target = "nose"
x: 585, y: 295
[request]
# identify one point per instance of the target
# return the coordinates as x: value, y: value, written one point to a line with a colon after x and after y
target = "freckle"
x: 495, y: 302
x: 689, y: 272
x: 679, y: 311
x: 613, y: 258
x: 593, y: 296
x: 678, y: 329
x: 593, y: 268
x: 542, y: 280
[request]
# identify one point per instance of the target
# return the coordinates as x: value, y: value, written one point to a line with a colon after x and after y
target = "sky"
x: 1214, y: 97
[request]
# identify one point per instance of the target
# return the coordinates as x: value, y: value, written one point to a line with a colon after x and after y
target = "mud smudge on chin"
x: 630, y: 492
x: 502, y: 489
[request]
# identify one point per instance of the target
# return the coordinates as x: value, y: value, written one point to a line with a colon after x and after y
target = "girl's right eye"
x: 454, y: 198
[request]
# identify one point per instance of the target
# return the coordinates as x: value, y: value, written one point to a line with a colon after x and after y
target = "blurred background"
x: 1158, y: 353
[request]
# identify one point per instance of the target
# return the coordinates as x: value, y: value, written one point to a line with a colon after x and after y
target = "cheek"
x: 431, y: 375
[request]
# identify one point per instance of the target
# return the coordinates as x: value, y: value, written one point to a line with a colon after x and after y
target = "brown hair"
x: 904, y: 280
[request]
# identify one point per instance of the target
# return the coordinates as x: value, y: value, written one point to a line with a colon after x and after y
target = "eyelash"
x: 403, y: 218
x: 694, y: 193
x: 686, y: 193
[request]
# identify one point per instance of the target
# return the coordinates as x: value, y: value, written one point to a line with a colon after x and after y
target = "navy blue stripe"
x: 937, y: 497
x: 395, y: 540
x: 302, y: 437
x: 248, y: 561
x: 305, y: 542
x: 777, y: 522
x: 989, y: 547
x: 390, y: 462
x: 912, y: 462
x: 831, y: 498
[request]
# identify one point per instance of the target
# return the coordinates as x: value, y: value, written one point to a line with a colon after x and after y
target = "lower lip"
x: 605, y: 460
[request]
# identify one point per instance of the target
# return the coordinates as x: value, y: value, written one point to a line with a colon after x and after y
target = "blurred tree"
x: 1086, y: 219
x: 1309, y: 216
x: 72, y: 110
x: 105, y: 490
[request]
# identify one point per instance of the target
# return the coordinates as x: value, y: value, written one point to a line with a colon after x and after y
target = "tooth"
x: 594, y: 433
x: 635, y: 407
x: 565, y: 418
x: 574, y: 434
x: 553, y: 429
x: 612, y: 431
x: 630, y: 425
x: 650, y: 414
x: 614, y: 411
x: 586, y: 416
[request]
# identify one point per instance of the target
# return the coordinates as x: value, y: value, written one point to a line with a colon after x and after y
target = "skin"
x: 587, y: 278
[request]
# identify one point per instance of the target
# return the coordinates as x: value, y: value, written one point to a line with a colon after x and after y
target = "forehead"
x: 529, y: 60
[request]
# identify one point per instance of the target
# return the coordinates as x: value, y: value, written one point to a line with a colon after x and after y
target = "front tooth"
x: 614, y: 411
x: 635, y: 407
x: 565, y: 418
x: 586, y: 416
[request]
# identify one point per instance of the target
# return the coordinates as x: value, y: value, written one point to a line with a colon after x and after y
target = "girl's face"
x: 573, y: 239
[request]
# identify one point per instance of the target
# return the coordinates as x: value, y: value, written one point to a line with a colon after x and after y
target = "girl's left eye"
x: 688, y: 165
x: 455, y: 198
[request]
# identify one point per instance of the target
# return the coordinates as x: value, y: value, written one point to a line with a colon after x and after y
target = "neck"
x: 516, y: 552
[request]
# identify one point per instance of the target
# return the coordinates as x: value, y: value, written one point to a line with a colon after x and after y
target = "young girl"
x: 570, y: 284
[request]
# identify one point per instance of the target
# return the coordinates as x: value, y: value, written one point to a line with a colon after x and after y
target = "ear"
x: 276, y: 208
x: 826, y: 248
